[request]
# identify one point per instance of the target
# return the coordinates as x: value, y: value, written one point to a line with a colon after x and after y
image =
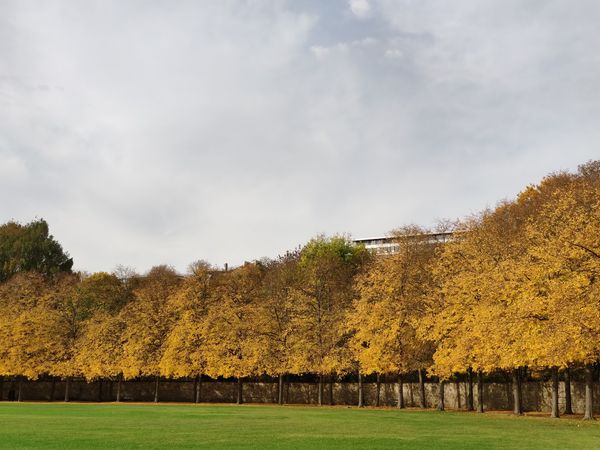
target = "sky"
x: 164, y: 132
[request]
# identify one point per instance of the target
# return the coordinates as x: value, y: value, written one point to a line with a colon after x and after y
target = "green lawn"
x: 34, y: 425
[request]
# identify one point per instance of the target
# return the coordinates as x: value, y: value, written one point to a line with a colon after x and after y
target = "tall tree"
x: 184, y: 349
x: 471, y: 319
x: 563, y: 288
x: 148, y: 321
x: 390, y: 303
x: 26, y: 336
x: 494, y: 311
x: 323, y: 297
x: 281, y: 278
x: 66, y: 313
x: 99, y: 349
x: 30, y: 247
x: 235, y: 337
x: 18, y: 296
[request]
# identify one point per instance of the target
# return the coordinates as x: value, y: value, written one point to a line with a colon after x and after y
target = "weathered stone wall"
x: 498, y: 396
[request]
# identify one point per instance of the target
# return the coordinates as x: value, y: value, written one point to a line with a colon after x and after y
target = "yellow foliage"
x: 391, y: 298
x: 516, y: 286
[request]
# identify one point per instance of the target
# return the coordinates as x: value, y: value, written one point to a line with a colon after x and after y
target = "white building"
x: 388, y: 245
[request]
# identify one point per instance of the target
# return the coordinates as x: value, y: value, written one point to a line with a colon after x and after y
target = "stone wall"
x: 498, y: 396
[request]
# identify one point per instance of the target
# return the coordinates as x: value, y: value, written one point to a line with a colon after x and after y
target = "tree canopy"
x: 30, y: 248
x: 515, y: 288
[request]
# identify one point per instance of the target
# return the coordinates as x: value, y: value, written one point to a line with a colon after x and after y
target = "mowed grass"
x: 54, y: 425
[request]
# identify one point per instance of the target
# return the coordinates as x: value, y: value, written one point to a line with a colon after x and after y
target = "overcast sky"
x: 151, y: 132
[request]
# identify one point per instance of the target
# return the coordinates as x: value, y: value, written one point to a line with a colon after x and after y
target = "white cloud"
x: 12, y: 169
x: 393, y: 53
x: 319, y: 51
x: 360, y: 8
x: 365, y: 42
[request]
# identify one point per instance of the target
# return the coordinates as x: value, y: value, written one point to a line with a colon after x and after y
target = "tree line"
x: 514, y: 291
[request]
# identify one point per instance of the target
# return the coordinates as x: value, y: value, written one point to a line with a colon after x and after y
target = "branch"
x: 583, y: 247
x: 539, y: 317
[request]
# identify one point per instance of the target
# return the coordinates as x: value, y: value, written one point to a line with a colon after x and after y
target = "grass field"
x: 35, y: 425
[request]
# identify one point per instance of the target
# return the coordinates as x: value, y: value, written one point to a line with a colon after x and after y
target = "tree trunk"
x: 508, y: 387
x: 100, y: 391
x: 360, y: 391
x: 20, y: 392
x: 400, y: 391
x: 568, y: 402
x: 287, y: 389
x: 198, y: 397
x: 555, y: 413
x: 195, y: 394
x: 522, y: 378
x: 67, y: 389
x: 457, y: 387
x: 331, y: 380
x: 422, y: 389
x: 441, y: 406
x: 320, y: 391
x: 119, y: 388
x: 53, y: 389
x: 589, y: 395
x: 156, y: 384
x: 480, y: 391
x: 378, y: 390
x: 470, y: 401
x: 1, y: 388
x: 280, y: 390
x: 516, y: 388
x: 240, y: 391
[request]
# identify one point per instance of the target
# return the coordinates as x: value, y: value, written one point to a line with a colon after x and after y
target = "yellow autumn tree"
x: 42, y: 325
x: 64, y: 314
x: 100, y: 349
x: 234, y: 335
x: 280, y: 280
x: 390, y: 303
x: 564, y: 268
x: 20, y: 351
x: 323, y: 296
x: 474, y: 323
x: 99, y: 352
x: 148, y: 320
x: 483, y: 319
x: 184, y: 348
